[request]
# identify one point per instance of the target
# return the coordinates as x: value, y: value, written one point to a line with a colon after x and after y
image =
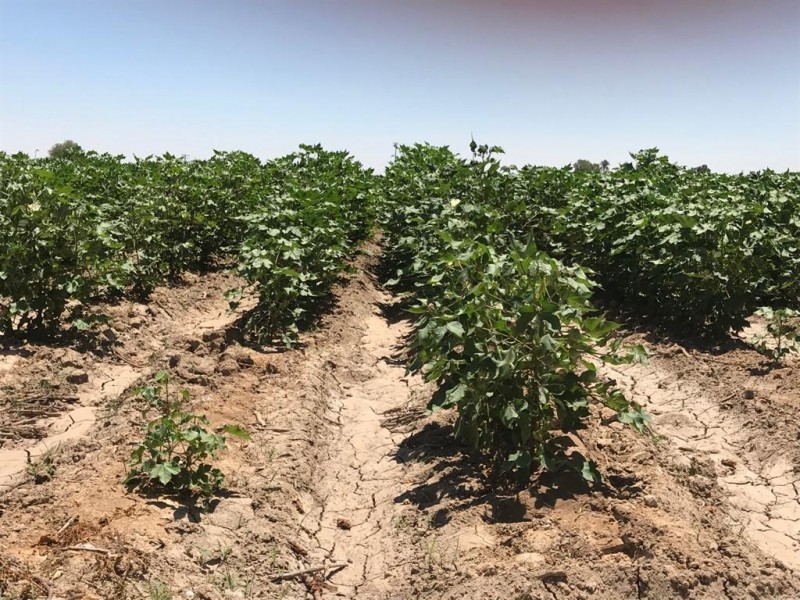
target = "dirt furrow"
x: 360, y: 479
x: 67, y: 427
x: 762, y: 491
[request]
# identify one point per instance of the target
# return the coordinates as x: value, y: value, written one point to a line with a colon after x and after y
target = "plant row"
x: 505, y: 331
x: 86, y: 226
x: 693, y: 250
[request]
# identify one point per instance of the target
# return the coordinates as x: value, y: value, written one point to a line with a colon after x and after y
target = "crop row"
x: 690, y: 249
x: 504, y: 330
x: 488, y: 257
x: 86, y: 226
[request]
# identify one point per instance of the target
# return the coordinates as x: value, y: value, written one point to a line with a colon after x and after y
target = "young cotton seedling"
x: 174, y: 453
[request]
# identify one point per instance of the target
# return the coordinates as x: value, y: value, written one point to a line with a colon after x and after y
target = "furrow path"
x: 359, y: 481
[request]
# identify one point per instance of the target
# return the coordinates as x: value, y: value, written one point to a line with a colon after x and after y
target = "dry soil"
x: 348, y: 489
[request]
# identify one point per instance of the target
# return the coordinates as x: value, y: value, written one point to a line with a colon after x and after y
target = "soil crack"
x: 756, y: 486
x: 357, y: 479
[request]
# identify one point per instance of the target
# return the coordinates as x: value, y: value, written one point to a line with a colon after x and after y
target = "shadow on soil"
x: 99, y: 343
x: 394, y: 312
x: 244, y: 329
x: 657, y: 331
x: 455, y: 481
x: 12, y: 348
x: 184, y: 507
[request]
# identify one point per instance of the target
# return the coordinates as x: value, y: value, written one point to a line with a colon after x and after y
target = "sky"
x: 715, y: 82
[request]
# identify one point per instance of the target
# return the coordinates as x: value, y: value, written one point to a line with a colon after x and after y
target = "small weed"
x: 274, y: 554
x: 659, y: 440
x: 439, y: 553
x: 783, y: 333
x: 431, y: 551
x: 113, y: 405
x: 432, y: 522
x: 224, y: 552
x: 159, y: 591
x: 43, y: 468
x: 456, y: 553
x: 205, y: 555
x: 218, y: 555
x: 231, y: 582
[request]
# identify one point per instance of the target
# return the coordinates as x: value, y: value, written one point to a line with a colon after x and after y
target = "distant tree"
x: 702, y: 169
x: 604, y: 165
x: 585, y: 166
x: 62, y: 149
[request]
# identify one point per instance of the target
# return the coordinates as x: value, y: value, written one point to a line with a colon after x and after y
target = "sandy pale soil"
x: 348, y: 490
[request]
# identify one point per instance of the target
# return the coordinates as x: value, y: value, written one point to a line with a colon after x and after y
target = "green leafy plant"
x: 504, y: 330
x: 507, y: 342
x: 85, y: 226
x: 176, y: 446
x: 783, y: 333
x: 47, y: 253
x: 317, y: 208
x: 691, y: 250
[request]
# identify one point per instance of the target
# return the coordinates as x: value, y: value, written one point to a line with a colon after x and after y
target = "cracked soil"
x: 348, y: 489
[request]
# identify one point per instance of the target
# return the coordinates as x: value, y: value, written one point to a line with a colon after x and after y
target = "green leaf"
x: 589, y: 472
x: 164, y: 472
x: 236, y: 431
x: 456, y: 328
x: 510, y: 414
x: 598, y: 327
x: 639, y: 354
x: 80, y: 324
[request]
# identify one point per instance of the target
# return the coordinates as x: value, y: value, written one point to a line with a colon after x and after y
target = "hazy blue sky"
x: 707, y: 81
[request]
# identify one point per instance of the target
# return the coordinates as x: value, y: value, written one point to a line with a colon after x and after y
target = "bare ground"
x: 346, y: 476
